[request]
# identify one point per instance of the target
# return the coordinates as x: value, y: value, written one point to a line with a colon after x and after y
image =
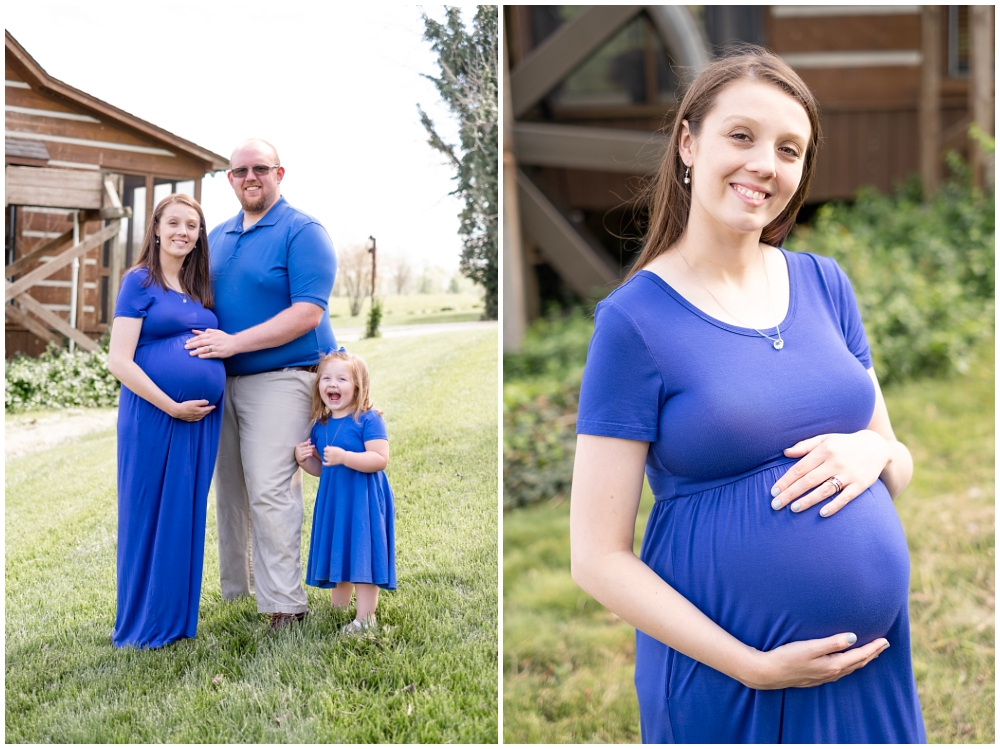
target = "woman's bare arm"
x: 607, y: 483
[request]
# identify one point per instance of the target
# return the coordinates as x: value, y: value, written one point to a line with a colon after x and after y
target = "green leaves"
x: 59, y: 379
x: 923, y: 272
x: 540, y: 398
x: 468, y: 84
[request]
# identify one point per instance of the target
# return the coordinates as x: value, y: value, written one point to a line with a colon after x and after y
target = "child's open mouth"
x: 334, y: 397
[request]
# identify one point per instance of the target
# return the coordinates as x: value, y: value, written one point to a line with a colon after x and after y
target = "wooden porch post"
x: 930, y: 99
x: 981, y: 89
x: 515, y: 318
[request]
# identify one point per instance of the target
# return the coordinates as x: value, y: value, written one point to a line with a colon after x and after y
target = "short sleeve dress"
x: 164, y: 470
x: 719, y: 404
x: 353, y: 531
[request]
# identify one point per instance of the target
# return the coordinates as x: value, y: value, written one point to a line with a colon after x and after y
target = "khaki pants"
x: 258, y: 488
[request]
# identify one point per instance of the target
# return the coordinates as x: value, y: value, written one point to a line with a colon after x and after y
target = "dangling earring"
x: 687, y: 176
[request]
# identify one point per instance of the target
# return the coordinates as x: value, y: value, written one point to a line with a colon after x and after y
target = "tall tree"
x: 468, y: 84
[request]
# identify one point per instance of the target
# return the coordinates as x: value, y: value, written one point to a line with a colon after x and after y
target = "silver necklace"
x: 779, y: 342
x: 184, y: 297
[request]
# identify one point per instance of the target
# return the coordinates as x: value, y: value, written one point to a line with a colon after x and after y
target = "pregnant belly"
x: 178, y: 374
x: 771, y: 577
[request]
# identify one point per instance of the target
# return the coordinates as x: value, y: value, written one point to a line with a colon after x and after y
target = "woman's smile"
x: 750, y: 195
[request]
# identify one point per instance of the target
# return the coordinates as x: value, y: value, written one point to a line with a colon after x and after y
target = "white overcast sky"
x: 334, y: 86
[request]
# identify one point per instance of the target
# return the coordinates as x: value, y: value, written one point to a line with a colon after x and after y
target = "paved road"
x: 398, y: 331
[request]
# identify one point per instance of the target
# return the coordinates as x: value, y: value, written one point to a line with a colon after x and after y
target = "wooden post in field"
x: 515, y: 316
x: 930, y: 99
x: 981, y: 89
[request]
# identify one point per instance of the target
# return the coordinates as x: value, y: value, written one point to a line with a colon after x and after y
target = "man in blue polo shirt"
x: 272, y: 274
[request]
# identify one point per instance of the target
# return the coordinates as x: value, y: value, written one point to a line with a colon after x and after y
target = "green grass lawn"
x: 568, y: 662
x: 429, y: 675
x: 410, y: 309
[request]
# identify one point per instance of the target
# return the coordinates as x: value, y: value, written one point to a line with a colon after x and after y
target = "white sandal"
x: 357, y: 627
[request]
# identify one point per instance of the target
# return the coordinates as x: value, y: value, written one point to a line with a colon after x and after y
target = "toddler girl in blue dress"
x: 352, y: 545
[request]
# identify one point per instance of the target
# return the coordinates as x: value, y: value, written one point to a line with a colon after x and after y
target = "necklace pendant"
x: 779, y: 344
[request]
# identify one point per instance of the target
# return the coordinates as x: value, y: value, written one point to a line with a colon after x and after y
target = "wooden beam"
x: 109, y: 188
x: 572, y: 43
x: 515, y: 310
x: 59, y: 188
x: 580, y: 147
x: 22, y: 318
x: 930, y: 99
x: 60, y: 261
x: 22, y: 264
x: 981, y: 88
x: 31, y: 304
x: 682, y: 36
x: 582, y: 266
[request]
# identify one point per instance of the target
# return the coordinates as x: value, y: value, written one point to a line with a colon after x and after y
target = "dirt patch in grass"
x: 40, y: 430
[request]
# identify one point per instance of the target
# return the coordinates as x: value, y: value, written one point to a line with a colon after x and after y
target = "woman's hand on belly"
x: 192, y: 410
x: 856, y: 460
x: 807, y: 663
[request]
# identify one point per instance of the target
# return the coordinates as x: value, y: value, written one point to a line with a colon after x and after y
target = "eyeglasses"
x: 260, y: 170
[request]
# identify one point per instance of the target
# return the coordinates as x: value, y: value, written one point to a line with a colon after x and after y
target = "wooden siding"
x: 108, y: 143
x: 60, y: 188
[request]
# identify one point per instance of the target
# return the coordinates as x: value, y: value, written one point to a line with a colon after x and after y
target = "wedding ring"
x: 210, y: 349
x: 837, y: 485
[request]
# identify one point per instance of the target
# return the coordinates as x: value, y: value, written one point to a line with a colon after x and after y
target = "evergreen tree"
x: 468, y: 84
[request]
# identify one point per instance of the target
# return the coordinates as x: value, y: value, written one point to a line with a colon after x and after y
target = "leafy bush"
x: 923, y: 273
x: 540, y: 395
x: 59, y: 379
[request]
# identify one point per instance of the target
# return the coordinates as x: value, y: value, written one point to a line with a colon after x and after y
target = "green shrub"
x: 540, y: 395
x: 59, y: 379
x: 923, y: 273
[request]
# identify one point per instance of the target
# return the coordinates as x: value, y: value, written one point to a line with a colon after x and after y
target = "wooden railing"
x: 31, y: 314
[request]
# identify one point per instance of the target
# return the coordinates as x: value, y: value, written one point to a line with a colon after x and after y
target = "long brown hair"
x: 667, y: 197
x: 362, y: 386
x: 194, y: 275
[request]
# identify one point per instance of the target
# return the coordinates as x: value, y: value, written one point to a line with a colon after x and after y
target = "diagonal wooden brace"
x: 30, y: 304
x: 24, y: 283
x: 30, y: 259
x: 22, y: 318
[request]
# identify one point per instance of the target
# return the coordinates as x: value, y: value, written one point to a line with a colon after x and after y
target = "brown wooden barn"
x: 588, y: 88
x: 82, y: 177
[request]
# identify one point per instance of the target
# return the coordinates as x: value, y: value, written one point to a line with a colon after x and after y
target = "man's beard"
x: 255, y: 205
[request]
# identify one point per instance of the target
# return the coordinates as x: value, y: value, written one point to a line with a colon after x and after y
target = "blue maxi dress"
x: 718, y: 405
x: 164, y: 470
x: 353, y: 530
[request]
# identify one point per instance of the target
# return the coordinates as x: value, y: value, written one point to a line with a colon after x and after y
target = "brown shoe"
x: 280, y: 620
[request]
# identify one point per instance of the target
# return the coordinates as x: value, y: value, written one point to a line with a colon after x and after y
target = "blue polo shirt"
x: 285, y: 257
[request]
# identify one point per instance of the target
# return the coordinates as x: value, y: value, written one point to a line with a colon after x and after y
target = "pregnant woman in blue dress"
x: 774, y: 573
x: 169, y: 415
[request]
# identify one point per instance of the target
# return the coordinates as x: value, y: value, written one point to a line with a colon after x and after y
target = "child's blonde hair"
x: 362, y: 386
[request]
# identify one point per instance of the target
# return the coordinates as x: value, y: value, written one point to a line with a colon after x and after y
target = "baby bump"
x: 178, y: 374
x: 770, y: 577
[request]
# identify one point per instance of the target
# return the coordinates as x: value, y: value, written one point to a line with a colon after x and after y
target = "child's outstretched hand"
x: 333, y: 456
x: 304, y: 451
